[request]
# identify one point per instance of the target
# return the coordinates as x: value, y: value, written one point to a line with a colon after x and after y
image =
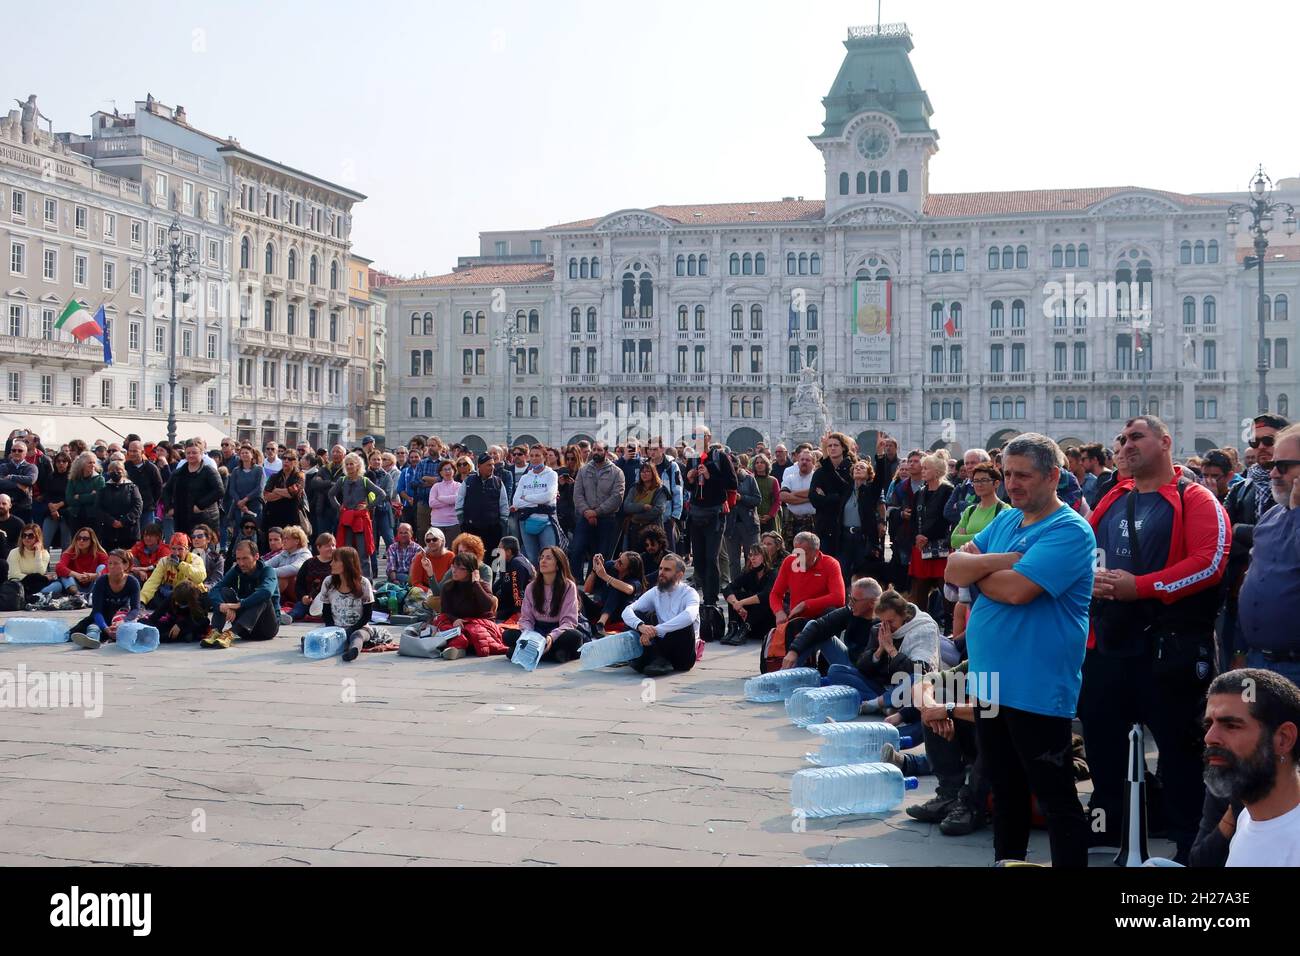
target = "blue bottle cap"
x: 910, y: 783
x: 905, y: 743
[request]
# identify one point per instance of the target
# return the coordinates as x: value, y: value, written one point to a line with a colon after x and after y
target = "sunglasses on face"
x: 1266, y: 441
x: 29, y: 534
x: 83, y: 540
x: 1284, y: 465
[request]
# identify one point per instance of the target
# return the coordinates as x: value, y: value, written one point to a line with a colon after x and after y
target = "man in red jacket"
x: 812, y: 581
x: 1162, y: 542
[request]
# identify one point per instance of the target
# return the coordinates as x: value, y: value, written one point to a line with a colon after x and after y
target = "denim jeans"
x: 58, y: 586
x: 383, y: 535
x: 1288, y: 669
x: 591, y: 539
x: 833, y: 649
x: 845, y: 675
x: 56, y: 533
x: 533, y: 543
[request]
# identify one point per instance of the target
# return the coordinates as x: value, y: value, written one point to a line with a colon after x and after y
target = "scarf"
x: 1262, y: 485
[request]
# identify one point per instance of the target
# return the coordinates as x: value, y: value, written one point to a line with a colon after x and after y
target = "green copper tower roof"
x: 877, y: 75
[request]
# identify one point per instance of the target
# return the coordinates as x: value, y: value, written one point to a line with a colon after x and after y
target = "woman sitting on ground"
x: 184, y: 618
x: 610, y: 587
x: 114, y: 599
x: 511, y: 584
x: 274, y: 546
x: 147, y: 552
x: 749, y: 613
x: 78, y: 568
x: 311, y: 576
x: 180, y: 565
x: 906, y: 641
x: 467, y: 543
x: 290, y: 560
x: 551, y: 609
x: 773, y: 546
x: 29, y: 562
x: 206, y: 545
x: 347, y: 601
x: 468, y: 604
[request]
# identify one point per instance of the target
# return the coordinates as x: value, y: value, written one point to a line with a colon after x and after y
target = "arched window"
x: 936, y: 317
x: 756, y: 318
x: 1212, y: 251
x: 269, y: 262
x: 934, y: 411
x: 891, y: 410
x: 954, y: 312
x: 791, y: 264
x: 1281, y: 309
x: 954, y: 359
x: 532, y: 407
x: 735, y: 407
x: 959, y: 261
x: 1018, y: 314
x: 1058, y: 257
x: 934, y: 260
x: 936, y: 360
x: 704, y: 265
x: 415, y: 323
x: 1071, y: 259
x: 582, y: 408
x: 1115, y: 408
x: 902, y: 180
x: 681, y: 265
x: 575, y: 319
x: 803, y: 263
x: 293, y: 264
x: 467, y: 323
x: 1210, y: 312
x: 428, y: 323
x: 1058, y: 408
x: 947, y: 409
x: 313, y: 271
x: 844, y: 184
x: 573, y: 268
x: 747, y: 265
x: 428, y: 361
x: 464, y: 407
x: 629, y: 296
x: 1008, y: 258
x: 534, y: 321
x: 760, y: 265
x: 873, y: 409
x: 734, y: 264
x: 245, y: 253
x: 1022, y: 257
x: 415, y: 408
x: 691, y: 265
x: 683, y: 318
x: 947, y: 261
x: 428, y: 408
x: 1083, y: 256
x: 1189, y: 310
x: 758, y: 408
x: 812, y: 318
x: 415, y: 362
x: 995, y: 259
x: 480, y: 408
x: 884, y: 181
x: 873, y: 182
x: 584, y: 268
x: 737, y: 318
x: 862, y: 184
x: 699, y: 318
x: 334, y: 276
x: 573, y: 407
x: 1198, y: 253
x: 1185, y: 253
x: 956, y: 410
x: 996, y: 314
x: 591, y: 319
x: 815, y: 263
x: 1280, y: 356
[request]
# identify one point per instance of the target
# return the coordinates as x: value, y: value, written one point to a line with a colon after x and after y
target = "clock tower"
x: 877, y: 140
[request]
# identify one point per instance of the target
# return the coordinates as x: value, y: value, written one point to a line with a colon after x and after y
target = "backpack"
x: 772, y: 653
x: 712, y: 625
x: 12, y: 596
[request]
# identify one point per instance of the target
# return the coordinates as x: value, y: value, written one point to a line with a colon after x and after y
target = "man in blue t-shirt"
x: 1031, y: 571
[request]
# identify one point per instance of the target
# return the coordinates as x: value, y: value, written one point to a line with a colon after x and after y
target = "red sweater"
x: 145, y: 560
x: 85, y: 563
x: 820, y: 587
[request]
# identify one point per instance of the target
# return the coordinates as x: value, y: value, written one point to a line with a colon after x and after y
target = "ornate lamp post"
x: 170, y: 261
x: 510, y: 339
x: 1260, y: 207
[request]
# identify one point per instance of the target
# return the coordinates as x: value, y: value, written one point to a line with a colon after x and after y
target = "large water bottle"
x: 35, y: 630
x: 529, y: 650
x: 849, y: 790
x: 614, y: 649
x: 854, y: 743
x: 812, y: 705
x: 779, y: 685
x: 324, y: 642
x: 138, y: 638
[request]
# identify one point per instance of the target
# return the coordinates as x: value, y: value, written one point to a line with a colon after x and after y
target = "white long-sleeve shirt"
x: 673, y: 609
x: 537, y: 490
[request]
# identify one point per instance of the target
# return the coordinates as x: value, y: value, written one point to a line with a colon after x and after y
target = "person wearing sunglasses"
x: 29, y: 561
x: 77, y: 569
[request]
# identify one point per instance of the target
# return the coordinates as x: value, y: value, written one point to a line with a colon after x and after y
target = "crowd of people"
x: 984, y: 604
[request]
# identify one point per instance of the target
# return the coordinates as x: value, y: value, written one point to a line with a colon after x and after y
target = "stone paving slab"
x: 256, y: 756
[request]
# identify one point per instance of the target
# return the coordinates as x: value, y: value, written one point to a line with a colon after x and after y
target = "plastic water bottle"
x: 614, y: 649
x: 812, y: 705
x: 324, y: 642
x: 35, y: 630
x: 528, y: 651
x: 138, y: 638
x: 849, y: 790
x: 779, y: 685
x: 854, y: 743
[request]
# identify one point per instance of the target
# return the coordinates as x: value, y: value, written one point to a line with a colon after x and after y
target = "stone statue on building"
x: 809, y: 417
x: 201, y: 201
x: 31, y: 115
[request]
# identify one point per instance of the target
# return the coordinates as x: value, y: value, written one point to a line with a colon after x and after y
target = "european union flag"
x: 102, y: 320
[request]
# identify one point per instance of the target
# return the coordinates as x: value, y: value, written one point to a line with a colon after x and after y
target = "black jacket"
x: 146, y: 478
x: 829, y: 489
x: 189, y: 489
x: 119, y: 501
x: 712, y: 492
x: 928, y: 513
x: 858, y: 633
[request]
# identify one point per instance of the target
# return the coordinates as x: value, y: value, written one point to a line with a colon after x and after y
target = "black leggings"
x: 678, y: 648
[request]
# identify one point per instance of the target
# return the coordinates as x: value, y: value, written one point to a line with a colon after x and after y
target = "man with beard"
x: 669, y: 645
x: 1252, y: 745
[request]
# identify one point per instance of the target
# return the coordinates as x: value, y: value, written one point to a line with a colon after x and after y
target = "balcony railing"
x: 744, y: 378
x: 689, y: 378
x: 945, y: 380
x: 70, y: 352
x: 590, y: 378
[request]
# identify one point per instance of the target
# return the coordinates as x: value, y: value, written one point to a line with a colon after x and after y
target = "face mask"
x: 538, y: 469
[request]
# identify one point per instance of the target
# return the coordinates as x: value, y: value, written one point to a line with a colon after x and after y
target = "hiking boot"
x: 86, y: 641
x: 933, y: 810
x: 961, y: 820
x: 453, y: 653
x: 658, y: 668
x: 219, y: 640
x: 889, y: 754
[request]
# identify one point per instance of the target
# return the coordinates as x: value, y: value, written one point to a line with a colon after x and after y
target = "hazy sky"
x: 456, y: 117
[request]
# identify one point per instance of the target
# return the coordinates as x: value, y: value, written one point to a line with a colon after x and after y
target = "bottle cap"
x: 905, y: 743
x: 910, y: 783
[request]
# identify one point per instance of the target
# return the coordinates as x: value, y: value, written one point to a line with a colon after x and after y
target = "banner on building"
x: 870, y: 327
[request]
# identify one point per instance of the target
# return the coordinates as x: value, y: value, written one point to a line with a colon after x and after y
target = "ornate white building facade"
x: 1060, y: 311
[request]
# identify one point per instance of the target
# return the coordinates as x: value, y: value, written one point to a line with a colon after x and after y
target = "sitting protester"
x: 148, y: 551
x: 469, y: 605
x: 115, y: 598
x: 670, y: 645
x: 29, y: 562
x: 77, y: 570
x: 510, y: 586
x: 181, y: 564
x: 551, y: 609
x: 184, y: 618
x: 246, y: 603
x: 749, y: 613
x: 289, y: 561
x: 401, y: 553
x: 428, y: 569
x: 842, y: 635
x: 274, y: 545
x: 311, y: 576
x: 654, y: 545
x: 466, y: 543
x: 906, y: 643
x: 205, y: 544
x: 609, y: 588
x: 348, y: 601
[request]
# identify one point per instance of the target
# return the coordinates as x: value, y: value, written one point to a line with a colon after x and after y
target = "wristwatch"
x: 950, y: 709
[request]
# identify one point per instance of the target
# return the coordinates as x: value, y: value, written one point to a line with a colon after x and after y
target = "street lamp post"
x: 509, y: 338
x: 170, y: 261
x: 1261, y: 208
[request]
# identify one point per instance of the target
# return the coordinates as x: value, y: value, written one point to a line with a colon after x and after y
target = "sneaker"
x: 285, y: 619
x: 228, y: 627
x: 453, y: 653
x: 961, y: 820
x: 658, y: 668
x: 933, y: 810
x: 223, y: 640
x: 889, y: 754
x: 86, y: 641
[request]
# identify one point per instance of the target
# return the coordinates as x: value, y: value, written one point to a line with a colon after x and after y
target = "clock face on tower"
x: 874, y: 143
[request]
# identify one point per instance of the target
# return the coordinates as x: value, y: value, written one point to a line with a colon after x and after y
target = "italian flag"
x: 78, y: 321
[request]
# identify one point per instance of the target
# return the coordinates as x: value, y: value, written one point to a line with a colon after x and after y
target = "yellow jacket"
x: 170, y: 571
